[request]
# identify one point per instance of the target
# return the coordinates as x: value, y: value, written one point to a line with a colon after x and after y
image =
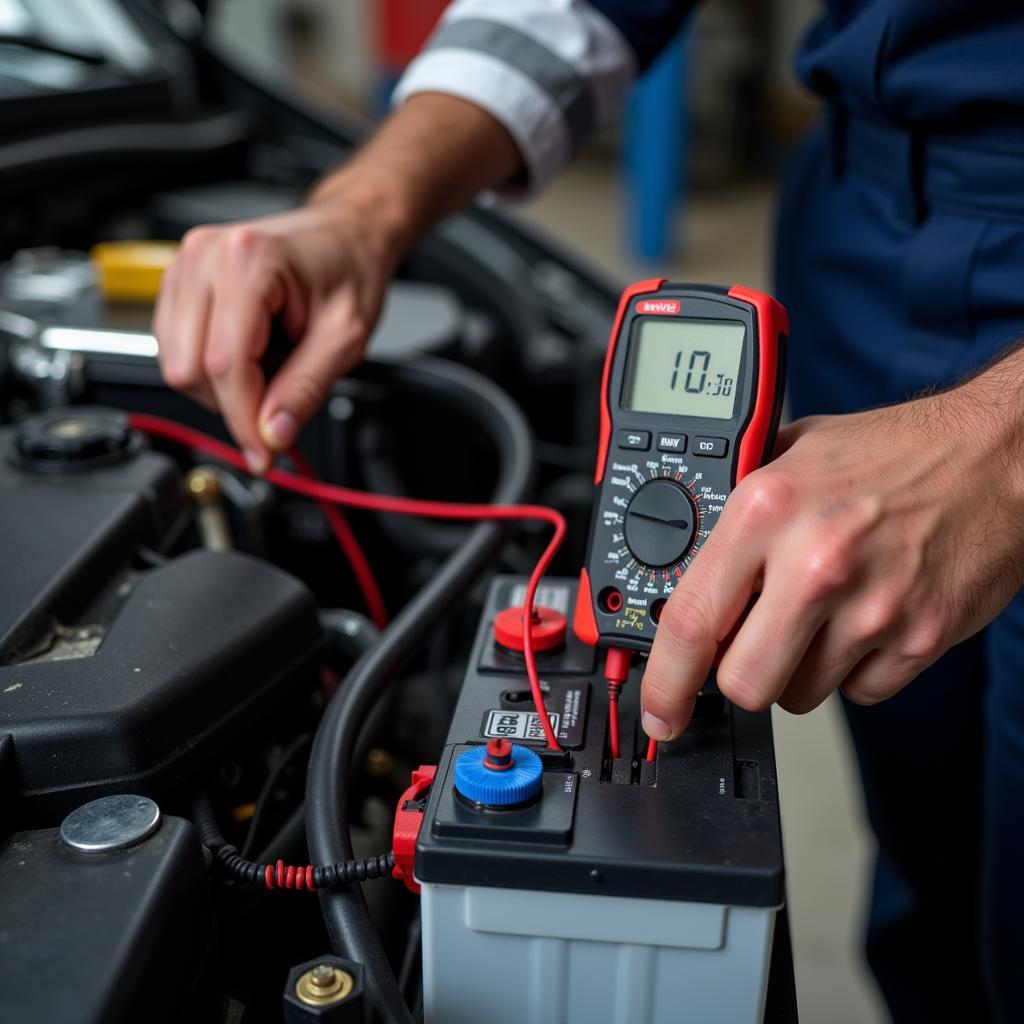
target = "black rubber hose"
x: 350, y: 634
x: 184, y: 140
x: 330, y: 769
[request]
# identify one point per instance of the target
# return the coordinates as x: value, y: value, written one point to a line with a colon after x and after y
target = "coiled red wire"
x: 287, y: 876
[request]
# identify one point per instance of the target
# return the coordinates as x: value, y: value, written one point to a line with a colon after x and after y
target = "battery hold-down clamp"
x: 408, y: 819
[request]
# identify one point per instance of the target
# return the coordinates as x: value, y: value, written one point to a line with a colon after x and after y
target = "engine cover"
x: 116, y: 677
x: 106, y: 938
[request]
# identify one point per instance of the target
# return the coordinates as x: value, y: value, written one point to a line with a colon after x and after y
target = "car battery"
x: 587, y: 890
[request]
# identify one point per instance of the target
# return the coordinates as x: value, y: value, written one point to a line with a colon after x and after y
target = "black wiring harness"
x: 281, y: 875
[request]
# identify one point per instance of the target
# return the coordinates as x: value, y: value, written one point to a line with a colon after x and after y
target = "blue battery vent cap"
x: 498, y: 775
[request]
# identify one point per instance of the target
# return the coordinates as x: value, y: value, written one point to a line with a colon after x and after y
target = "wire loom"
x: 281, y: 875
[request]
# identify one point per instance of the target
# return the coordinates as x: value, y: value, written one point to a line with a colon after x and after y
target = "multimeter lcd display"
x: 684, y: 368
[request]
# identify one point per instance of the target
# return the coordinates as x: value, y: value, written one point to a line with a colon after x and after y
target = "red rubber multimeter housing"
x: 690, y: 404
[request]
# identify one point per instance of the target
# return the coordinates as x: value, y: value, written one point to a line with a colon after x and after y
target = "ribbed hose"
x: 330, y: 782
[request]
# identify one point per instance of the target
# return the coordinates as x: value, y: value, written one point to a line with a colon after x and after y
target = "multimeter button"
x: 639, y: 439
x: 671, y: 442
x: 712, y: 447
x: 661, y: 523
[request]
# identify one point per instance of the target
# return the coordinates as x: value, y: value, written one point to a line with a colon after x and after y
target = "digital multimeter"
x: 690, y: 403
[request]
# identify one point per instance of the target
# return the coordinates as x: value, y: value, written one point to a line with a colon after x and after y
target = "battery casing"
x: 513, y: 955
x: 630, y: 892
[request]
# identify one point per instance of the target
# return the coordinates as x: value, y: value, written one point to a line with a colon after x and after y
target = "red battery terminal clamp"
x: 408, y: 820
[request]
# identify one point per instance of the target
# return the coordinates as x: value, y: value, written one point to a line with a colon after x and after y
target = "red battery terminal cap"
x: 547, y: 628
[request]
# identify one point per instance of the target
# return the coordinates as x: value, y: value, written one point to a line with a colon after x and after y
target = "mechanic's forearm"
x: 431, y: 157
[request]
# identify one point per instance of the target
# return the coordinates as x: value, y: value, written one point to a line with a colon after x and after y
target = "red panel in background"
x: 402, y: 27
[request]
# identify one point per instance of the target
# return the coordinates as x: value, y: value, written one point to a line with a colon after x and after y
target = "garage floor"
x: 726, y: 238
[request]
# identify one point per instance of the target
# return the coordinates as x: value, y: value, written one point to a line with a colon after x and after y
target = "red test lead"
x: 616, y: 671
x: 333, y: 494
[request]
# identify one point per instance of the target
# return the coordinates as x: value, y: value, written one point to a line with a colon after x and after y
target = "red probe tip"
x: 617, y: 663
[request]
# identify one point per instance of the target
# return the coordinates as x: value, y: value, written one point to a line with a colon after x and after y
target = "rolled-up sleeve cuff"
x: 550, y: 71
x: 527, y: 112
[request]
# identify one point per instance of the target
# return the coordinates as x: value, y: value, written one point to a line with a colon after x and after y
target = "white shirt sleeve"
x: 551, y: 71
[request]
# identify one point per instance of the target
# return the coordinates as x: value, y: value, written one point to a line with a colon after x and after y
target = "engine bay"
x: 185, y: 650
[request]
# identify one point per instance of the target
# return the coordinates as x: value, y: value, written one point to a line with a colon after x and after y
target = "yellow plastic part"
x: 131, y: 271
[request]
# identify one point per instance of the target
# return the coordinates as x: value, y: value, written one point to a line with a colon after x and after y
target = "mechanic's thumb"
x: 332, y: 347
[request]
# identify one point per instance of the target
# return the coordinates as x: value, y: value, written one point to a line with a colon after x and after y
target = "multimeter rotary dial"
x: 660, y: 523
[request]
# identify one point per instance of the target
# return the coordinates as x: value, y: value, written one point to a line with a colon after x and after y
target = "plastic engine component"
x: 69, y: 440
x: 199, y: 646
x: 502, y: 785
x: 107, y: 937
x: 117, y: 676
x: 327, y: 990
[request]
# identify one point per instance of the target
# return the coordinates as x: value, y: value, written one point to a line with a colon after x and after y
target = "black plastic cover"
x: 64, y: 537
x: 198, y: 648
x: 118, y: 677
x: 701, y: 823
x: 114, y: 937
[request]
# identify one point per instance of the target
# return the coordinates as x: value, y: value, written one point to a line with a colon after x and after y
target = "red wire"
x: 157, y: 426
x: 617, y: 663
x: 361, y: 567
x: 652, y: 750
x: 613, y: 723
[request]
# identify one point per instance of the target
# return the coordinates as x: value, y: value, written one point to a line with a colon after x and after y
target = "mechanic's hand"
x: 321, y: 269
x: 876, y: 541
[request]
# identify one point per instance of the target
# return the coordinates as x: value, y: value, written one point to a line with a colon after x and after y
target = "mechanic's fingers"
x: 883, y: 673
x: 771, y: 643
x: 180, y: 324
x: 707, y: 602
x: 850, y: 635
x: 830, y: 658
x: 165, y: 303
x: 333, y: 345
x: 239, y: 329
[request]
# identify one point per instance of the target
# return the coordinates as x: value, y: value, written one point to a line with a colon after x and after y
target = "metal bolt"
x: 323, y: 985
x: 322, y: 975
x: 202, y: 484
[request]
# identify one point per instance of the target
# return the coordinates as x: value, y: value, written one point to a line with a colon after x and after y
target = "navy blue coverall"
x: 900, y: 255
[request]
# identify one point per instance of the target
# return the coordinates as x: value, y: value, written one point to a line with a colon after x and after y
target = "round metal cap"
x: 110, y: 823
